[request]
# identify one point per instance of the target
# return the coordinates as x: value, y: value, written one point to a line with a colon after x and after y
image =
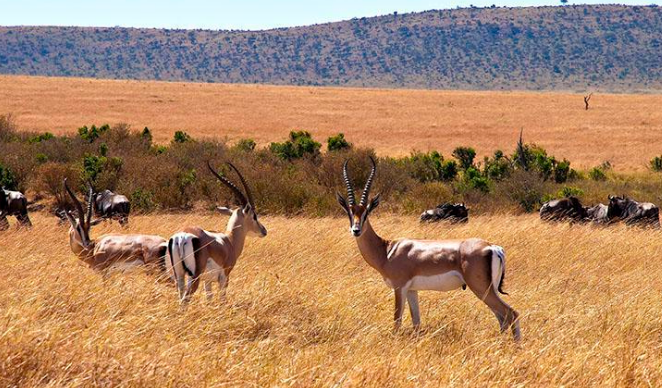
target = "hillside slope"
x: 606, y: 47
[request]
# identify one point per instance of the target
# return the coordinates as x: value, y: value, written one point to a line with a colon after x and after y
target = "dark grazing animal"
x: 598, y: 213
x: 109, y: 205
x: 13, y: 203
x: 564, y: 209
x: 453, y: 212
x: 633, y: 212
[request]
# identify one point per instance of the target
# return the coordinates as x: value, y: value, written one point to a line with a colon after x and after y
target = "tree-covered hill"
x: 603, y: 47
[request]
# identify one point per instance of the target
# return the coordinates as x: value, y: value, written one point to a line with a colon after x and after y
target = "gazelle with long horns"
x: 409, y: 266
x: 111, y: 250
x: 211, y: 256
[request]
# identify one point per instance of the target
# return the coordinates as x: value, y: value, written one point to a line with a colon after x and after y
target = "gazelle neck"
x: 76, y: 245
x: 372, y: 247
x: 236, y: 232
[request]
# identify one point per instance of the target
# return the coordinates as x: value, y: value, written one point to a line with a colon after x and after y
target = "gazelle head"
x: 358, y: 214
x: 245, y: 214
x: 81, y: 224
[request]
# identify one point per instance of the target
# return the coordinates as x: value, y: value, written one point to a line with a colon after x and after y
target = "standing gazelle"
x: 210, y: 256
x: 409, y: 266
x: 111, y: 250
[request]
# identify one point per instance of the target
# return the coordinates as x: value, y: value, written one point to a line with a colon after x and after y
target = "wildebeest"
x: 454, y: 212
x: 114, y: 206
x: 13, y: 203
x: 598, y: 213
x: 633, y: 212
x: 569, y: 208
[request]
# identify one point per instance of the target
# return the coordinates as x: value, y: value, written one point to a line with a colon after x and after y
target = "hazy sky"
x: 225, y: 14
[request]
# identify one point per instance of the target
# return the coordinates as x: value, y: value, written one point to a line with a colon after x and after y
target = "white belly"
x: 212, y: 272
x: 443, y: 282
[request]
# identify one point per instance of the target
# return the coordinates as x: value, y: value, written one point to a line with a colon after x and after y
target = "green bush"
x: 299, y: 145
x: 597, y: 174
x: 562, y: 171
x: 338, y: 143
x: 181, y: 137
x: 498, y: 167
x: 41, y: 137
x: 475, y: 180
x: 142, y: 200
x: 92, y: 133
x: 656, y: 163
x: 448, y: 171
x: 103, y: 149
x: 7, y: 178
x: 465, y: 155
x: 41, y: 158
x: 245, y: 145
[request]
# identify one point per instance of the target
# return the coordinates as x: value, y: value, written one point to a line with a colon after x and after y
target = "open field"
x: 305, y: 310
x: 622, y: 129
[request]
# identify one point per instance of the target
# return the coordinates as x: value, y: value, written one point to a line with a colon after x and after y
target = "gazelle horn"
x: 226, y: 181
x: 368, y: 183
x: 348, y: 184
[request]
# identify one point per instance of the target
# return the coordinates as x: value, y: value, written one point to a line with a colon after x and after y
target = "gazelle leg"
x: 208, y: 290
x: 223, y: 287
x: 193, y: 285
x: 399, y: 307
x: 412, y: 299
x: 506, y: 315
x: 181, y: 287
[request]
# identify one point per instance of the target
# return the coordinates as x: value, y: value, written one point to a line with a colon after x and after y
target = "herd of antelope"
x: 407, y: 266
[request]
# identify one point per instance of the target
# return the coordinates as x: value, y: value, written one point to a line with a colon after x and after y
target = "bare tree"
x: 587, y: 99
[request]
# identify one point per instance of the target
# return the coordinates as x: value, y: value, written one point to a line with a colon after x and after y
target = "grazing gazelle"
x: 111, y: 250
x: 409, y: 266
x: 210, y: 256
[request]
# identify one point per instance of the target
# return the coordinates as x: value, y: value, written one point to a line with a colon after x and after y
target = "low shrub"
x: 338, y: 143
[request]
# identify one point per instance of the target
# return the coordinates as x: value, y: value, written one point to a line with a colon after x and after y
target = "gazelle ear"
x: 343, y: 203
x: 224, y: 210
x: 374, y: 203
x: 246, y: 209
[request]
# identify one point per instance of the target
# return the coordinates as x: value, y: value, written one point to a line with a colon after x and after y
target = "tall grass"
x: 305, y: 310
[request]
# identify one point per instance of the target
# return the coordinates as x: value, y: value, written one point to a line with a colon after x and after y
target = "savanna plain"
x: 304, y: 309
x: 620, y: 128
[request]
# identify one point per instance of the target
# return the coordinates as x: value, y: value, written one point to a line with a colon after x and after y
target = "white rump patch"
x: 442, y: 282
x: 498, y: 265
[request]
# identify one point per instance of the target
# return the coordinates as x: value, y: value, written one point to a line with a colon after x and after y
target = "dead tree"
x: 587, y: 99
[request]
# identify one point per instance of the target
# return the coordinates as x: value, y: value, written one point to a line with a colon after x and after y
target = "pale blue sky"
x: 225, y: 14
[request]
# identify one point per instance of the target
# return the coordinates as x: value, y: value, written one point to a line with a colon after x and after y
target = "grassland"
x: 305, y: 310
x: 622, y: 129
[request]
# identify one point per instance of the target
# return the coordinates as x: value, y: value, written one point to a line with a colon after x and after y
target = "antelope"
x: 409, y: 266
x: 109, y: 205
x: 13, y: 203
x: 111, y: 250
x: 210, y: 256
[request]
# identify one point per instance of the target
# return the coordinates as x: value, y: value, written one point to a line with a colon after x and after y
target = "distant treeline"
x: 296, y: 176
x: 600, y: 47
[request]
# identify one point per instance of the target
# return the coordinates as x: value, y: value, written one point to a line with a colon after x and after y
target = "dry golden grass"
x: 618, y: 128
x: 305, y: 310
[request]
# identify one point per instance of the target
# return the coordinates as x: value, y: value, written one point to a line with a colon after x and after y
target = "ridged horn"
x: 230, y: 185
x: 79, y: 207
x: 249, y: 195
x: 368, y: 183
x: 348, y: 184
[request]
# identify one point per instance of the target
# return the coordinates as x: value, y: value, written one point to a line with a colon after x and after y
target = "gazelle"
x: 210, y: 256
x: 409, y: 266
x: 111, y: 250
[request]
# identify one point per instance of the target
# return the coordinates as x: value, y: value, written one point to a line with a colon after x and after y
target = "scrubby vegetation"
x: 292, y: 177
